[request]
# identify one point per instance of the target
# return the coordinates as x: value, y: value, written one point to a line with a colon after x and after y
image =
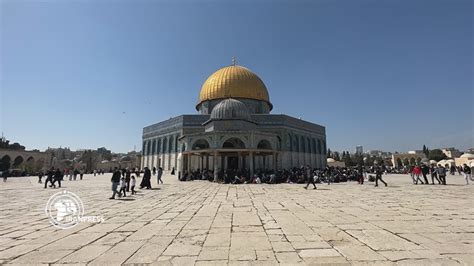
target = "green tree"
x: 436, y: 155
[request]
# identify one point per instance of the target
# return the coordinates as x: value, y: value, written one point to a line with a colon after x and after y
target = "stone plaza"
x: 205, y: 223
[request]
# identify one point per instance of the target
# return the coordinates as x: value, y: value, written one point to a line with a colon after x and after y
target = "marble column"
x: 251, y: 164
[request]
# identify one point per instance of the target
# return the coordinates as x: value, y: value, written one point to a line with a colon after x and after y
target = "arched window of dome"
x: 158, y: 146
x: 170, y: 144
x: 264, y: 145
x: 200, y: 144
x: 176, y: 143
x: 233, y: 143
x: 303, y: 146
x: 153, y: 147
x: 297, y: 143
x: 308, y: 145
x: 164, y: 144
x: 290, y: 143
x: 149, y: 148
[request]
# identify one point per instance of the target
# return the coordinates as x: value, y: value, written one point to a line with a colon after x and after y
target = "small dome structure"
x: 467, y: 156
x: 230, y: 109
x: 330, y: 160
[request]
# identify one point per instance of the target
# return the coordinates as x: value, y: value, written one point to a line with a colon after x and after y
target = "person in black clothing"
x: 467, y: 173
x: 424, y: 171
x: 154, y: 170
x: 146, y: 179
x: 378, y: 176
x: 40, y: 176
x: 115, y: 182
x: 5, y: 175
x: 127, y: 179
x: 58, y: 176
x: 309, y: 178
x: 49, y: 178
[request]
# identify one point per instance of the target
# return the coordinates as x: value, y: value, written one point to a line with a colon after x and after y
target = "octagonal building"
x: 233, y: 130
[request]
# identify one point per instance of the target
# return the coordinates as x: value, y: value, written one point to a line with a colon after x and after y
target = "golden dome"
x: 236, y: 82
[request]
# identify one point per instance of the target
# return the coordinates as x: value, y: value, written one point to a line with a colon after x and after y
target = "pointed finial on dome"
x: 233, y: 60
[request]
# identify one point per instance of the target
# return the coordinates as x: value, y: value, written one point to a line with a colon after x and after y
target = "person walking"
x: 434, y: 174
x: 123, y: 187
x: 425, y: 171
x: 467, y: 173
x: 309, y: 178
x: 115, y: 182
x: 378, y: 175
x: 146, y: 179
x: 127, y: 179
x: 58, y: 176
x: 5, y: 175
x: 160, y: 173
x: 49, y: 178
x: 133, y: 182
x: 40, y: 176
x: 417, y: 174
x: 442, y: 174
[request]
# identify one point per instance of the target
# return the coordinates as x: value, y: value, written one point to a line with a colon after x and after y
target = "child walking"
x: 133, y: 181
x: 123, y: 187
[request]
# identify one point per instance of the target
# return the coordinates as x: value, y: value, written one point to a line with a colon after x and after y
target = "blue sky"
x: 390, y: 75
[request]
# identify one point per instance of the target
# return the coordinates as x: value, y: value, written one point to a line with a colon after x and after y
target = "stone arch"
x: 148, y: 148
x: 264, y: 144
x: 18, y: 162
x: 5, y: 163
x: 158, y: 146
x: 297, y: 143
x: 233, y: 143
x: 200, y: 144
x: 153, y: 147
x: 164, y: 145
x: 176, y: 143
x: 302, y: 144
x: 170, y: 144
x: 30, y: 164
x: 290, y: 143
x: 308, y: 145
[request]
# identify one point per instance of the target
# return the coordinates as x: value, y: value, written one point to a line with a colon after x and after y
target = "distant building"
x: 410, y: 158
x: 359, y: 150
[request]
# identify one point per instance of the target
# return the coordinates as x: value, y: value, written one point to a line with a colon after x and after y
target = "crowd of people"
x: 296, y: 175
x: 124, y: 180
x: 438, y: 172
